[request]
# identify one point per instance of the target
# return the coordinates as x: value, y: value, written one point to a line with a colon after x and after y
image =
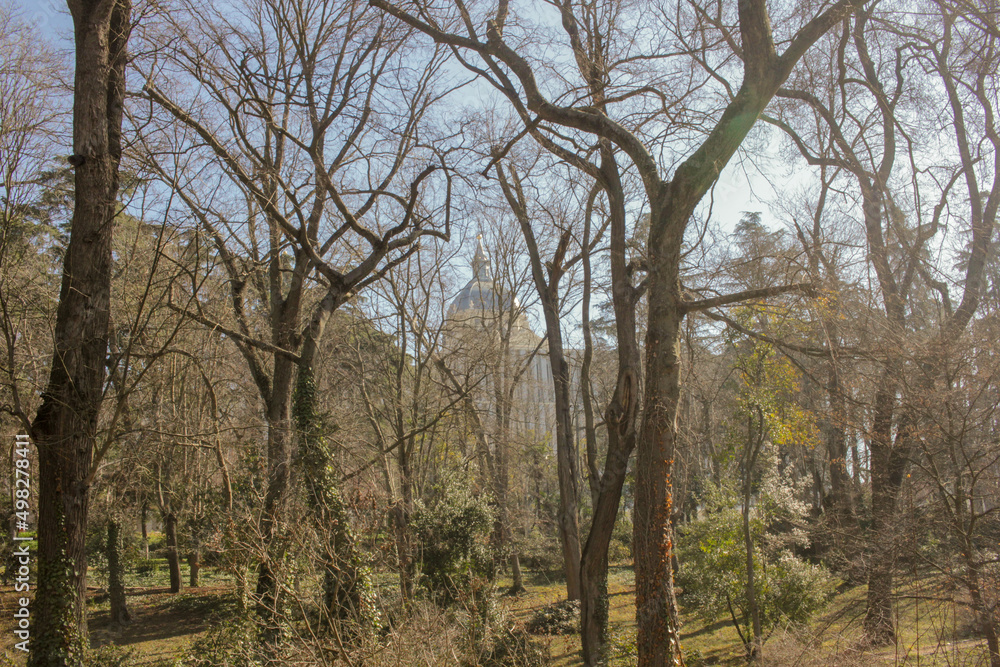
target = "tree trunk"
x: 755, y: 639
x: 878, y: 623
x: 517, y: 583
x: 594, y: 597
x: 594, y: 566
x: 569, y: 522
x: 272, y: 545
x: 173, y: 558
x: 116, y: 582
x: 656, y: 607
x: 985, y: 612
x: 840, y: 501
x: 671, y: 205
x: 620, y: 419
x: 10, y: 566
x: 142, y: 526
x: 586, y: 398
x: 346, y: 583
x: 887, y: 463
x: 194, y: 565
x: 400, y: 522
x: 755, y: 441
x: 64, y: 427
x: 501, y: 534
x: 658, y: 637
x: 402, y: 512
x: 566, y: 468
x: 227, y: 482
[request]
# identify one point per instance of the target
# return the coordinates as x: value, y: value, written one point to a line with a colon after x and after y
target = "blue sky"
x: 50, y: 17
x: 733, y: 194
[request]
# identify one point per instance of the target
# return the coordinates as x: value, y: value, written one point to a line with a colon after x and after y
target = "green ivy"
x: 348, y: 592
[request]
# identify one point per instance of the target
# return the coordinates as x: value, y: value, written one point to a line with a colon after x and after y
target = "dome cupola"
x: 480, y: 296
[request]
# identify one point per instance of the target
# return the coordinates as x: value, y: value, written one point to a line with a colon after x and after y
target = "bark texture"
x: 120, y: 615
x: 64, y: 427
x: 194, y: 567
x: 173, y: 558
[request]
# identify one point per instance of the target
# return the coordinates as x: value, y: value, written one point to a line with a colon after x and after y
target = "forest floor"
x: 934, y: 625
x: 935, y: 628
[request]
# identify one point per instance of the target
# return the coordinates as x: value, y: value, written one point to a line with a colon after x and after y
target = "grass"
x: 164, y: 624
x: 716, y: 642
x: 935, y: 626
x: 935, y: 629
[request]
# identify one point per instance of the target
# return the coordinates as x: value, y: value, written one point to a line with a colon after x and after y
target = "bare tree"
x: 671, y: 201
x: 29, y: 129
x: 957, y: 466
x: 407, y: 410
x: 307, y: 122
x: 547, y: 276
x: 491, y: 362
x: 30, y: 124
x: 900, y: 221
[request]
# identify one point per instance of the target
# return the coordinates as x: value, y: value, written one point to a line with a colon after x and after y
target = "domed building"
x: 482, y: 306
x: 488, y: 331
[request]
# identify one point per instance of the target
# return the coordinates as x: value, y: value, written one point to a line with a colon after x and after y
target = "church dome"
x: 480, y: 297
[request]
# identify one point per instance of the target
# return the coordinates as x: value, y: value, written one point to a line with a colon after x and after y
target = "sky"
x: 50, y: 17
x: 737, y: 190
x: 740, y: 187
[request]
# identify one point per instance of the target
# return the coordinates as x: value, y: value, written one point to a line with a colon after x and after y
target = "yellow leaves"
x: 796, y: 426
x: 768, y: 390
x: 826, y: 305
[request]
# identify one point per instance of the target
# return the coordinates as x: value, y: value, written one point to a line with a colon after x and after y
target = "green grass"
x: 935, y: 629
x: 155, y: 572
x: 935, y: 626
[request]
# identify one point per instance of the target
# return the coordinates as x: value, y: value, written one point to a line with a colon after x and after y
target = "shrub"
x: 156, y: 541
x: 421, y: 634
x: 713, y: 565
x: 146, y: 567
x: 510, y: 647
x: 559, y: 618
x: 540, y: 552
x: 453, y: 535
x: 495, y: 640
x: 229, y: 644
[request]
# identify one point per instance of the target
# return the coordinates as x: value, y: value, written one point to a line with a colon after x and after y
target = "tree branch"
x: 236, y: 335
x: 748, y: 295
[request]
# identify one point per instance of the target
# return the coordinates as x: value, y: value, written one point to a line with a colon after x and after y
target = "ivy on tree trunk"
x: 65, y: 425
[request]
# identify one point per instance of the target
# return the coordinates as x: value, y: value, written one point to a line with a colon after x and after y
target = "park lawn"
x: 164, y: 625
x: 934, y: 630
